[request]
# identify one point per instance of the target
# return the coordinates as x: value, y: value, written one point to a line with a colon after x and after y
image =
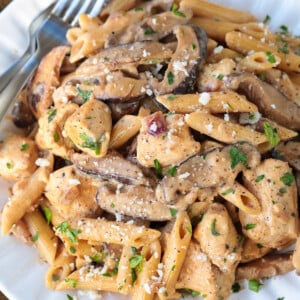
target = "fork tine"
x: 97, y: 7
x: 83, y: 9
x: 59, y: 8
x: 74, y: 6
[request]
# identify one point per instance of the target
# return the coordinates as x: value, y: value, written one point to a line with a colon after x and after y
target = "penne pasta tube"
x: 61, y: 268
x: 88, y: 278
x: 222, y: 130
x: 212, y: 10
x: 25, y: 196
x: 146, y: 285
x: 114, y: 232
x: 245, y: 43
x: 124, y: 278
x: 214, y: 102
x: 241, y: 198
x: 174, y: 254
x: 42, y: 235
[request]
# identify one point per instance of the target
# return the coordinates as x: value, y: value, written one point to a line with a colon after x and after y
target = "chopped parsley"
x: 158, y: 168
x: 287, y: 178
x: 259, y: 178
x: 220, y: 76
x: 70, y: 233
x: 254, y: 285
x: 56, y: 136
x: 8, y: 165
x: 106, y: 58
x: 271, y: 57
x: 135, y: 261
x: 176, y: 12
x: 280, y: 298
x: 284, y: 29
x: 47, y: 213
x: 171, y: 97
x: 138, y: 9
x: 194, y: 46
x: 170, y: 77
x: 236, y: 287
x: 24, y: 147
x: 35, y: 237
x: 149, y: 31
x: 236, y: 157
x: 189, y: 229
x: 283, y: 46
x: 89, y: 142
x: 267, y: 19
x: 271, y: 133
x: 69, y: 297
x: 84, y: 94
x: 259, y: 246
x: 249, y: 226
x: 173, y: 212
x: 229, y: 191
x: 71, y: 281
x: 282, y: 190
x: 106, y: 274
x: 172, y: 171
x: 51, y: 114
x: 116, y: 268
x: 72, y: 249
x: 213, y: 228
x: 262, y: 76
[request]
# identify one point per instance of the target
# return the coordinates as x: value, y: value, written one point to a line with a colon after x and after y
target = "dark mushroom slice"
x: 290, y: 152
x: 137, y: 201
x: 208, y: 170
x: 120, y: 109
x: 114, y: 58
x: 268, y: 99
x: 268, y: 266
x: 111, y: 166
x: 183, y: 69
x: 45, y: 80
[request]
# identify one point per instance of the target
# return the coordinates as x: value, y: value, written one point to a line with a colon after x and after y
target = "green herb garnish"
x: 172, y: 171
x: 259, y: 178
x: 213, y: 228
x: 70, y: 233
x: 249, y: 226
x: 47, y: 213
x: 236, y: 157
x: 56, y: 136
x: 51, y: 114
x: 170, y: 77
x: 271, y: 57
x: 171, y: 97
x: 267, y: 19
x: 84, y: 94
x: 173, y: 212
x: 236, y: 287
x: 287, y: 178
x: 24, y: 147
x: 71, y: 281
x: 174, y: 9
x: 35, y: 237
x: 149, y: 31
x: 229, y: 191
x: 254, y: 285
x: 271, y: 133
x: 90, y: 143
x: 72, y: 249
x: 158, y: 168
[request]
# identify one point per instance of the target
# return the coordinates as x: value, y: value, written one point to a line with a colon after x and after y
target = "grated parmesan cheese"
x: 204, y: 98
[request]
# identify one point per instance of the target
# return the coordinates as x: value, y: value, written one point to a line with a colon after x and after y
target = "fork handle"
x: 16, y: 84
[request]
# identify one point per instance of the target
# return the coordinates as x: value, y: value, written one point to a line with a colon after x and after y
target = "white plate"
x: 21, y: 273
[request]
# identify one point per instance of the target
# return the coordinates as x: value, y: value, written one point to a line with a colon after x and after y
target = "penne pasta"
x: 214, y: 102
x: 222, y: 130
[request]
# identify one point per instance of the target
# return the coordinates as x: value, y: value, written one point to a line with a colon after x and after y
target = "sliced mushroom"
x: 268, y: 99
x: 212, y: 169
x: 268, y: 266
x: 183, y: 69
x: 131, y: 200
x: 111, y: 166
x: 290, y: 152
x: 46, y: 78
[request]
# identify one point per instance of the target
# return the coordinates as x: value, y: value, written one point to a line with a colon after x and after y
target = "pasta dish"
x: 157, y: 154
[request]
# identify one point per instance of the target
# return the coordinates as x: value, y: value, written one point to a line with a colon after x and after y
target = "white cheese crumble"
x: 204, y: 98
x: 209, y: 127
x: 91, y: 294
x: 218, y: 49
x: 184, y: 175
x: 153, y: 127
x: 180, y: 66
x: 249, y: 118
x: 147, y: 288
x: 273, y: 106
x: 226, y: 117
x: 42, y: 162
x: 73, y: 181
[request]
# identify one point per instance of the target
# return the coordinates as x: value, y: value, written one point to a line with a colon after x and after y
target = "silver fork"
x: 51, y: 34
x: 15, y: 67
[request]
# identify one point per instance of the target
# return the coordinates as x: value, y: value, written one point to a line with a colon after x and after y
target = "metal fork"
x: 15, y: 67
x: 51, y: 34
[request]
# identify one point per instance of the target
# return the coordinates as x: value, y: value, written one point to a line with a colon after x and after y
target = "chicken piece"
x: 199, y: 274
x: 211, y: 77
x: 218, y: 238
x: 17, y: 157
x: 166, y: 139
x: 266, y: 267
x: 46, y: 78
x: 51, y: 134
x: 252, y: 251
x: 72, y: 194
x: 273, y: 183
x: 89, y: 127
